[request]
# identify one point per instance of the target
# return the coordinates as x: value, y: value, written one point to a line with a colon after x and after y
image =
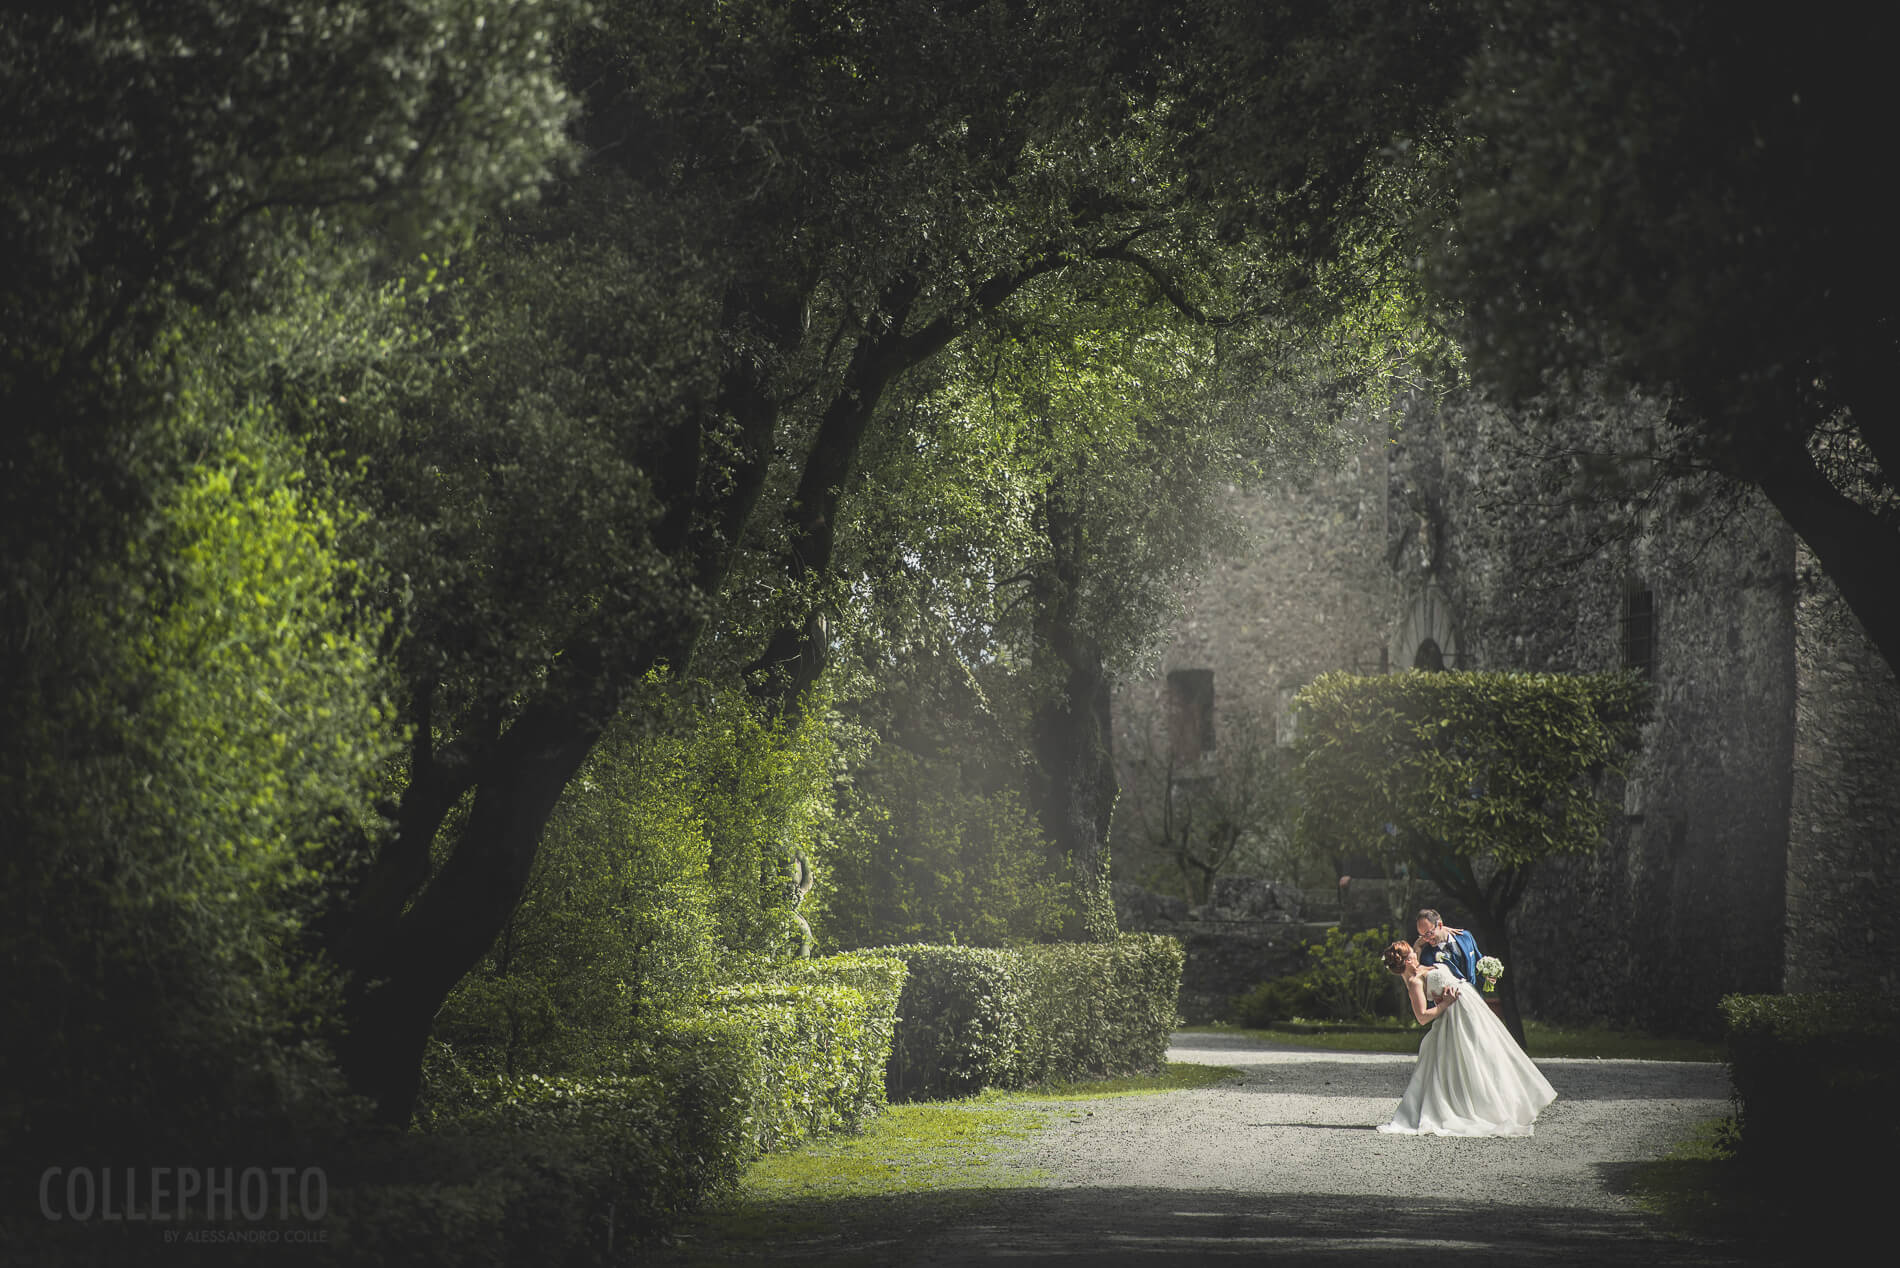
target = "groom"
x: 1438, y: 942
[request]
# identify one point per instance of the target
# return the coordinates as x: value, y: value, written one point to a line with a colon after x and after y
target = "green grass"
x: 921, y: 1164
x: 1693, y: 1187
x: 1542, y: 1040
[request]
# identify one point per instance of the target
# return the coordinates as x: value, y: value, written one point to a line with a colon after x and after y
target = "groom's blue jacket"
x: 1460, y: 955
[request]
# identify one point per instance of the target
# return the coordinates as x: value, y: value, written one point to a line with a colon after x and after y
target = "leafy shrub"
x: 1347, y: 982
x: 960, y: 1022
x: 974, y: 1017
x: 543, y: 1170
x: 539, y: 1165
x: 651, y: 877
x: 1094, y: 1009
x: 1348, y: 979
x: 1806, y: 1068
x: 178, y: 764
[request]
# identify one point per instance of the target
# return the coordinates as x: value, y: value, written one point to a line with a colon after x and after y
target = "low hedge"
x: 555, y: 1171
x: 1811, y: 1072
x: 974, y: 1017
x: 959, y: 1023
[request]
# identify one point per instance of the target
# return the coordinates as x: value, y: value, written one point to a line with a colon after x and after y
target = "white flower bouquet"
x: 1490, y: 968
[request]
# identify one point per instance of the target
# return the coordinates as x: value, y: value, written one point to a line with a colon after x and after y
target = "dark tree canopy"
x: 1682, y: 195
x: 614, y: 433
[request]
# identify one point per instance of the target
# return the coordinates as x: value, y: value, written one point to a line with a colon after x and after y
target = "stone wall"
x: 1844, y: 839
x: 1309, y: 593
x: 1685, y: 900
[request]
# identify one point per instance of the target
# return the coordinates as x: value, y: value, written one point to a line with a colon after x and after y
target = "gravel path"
x: 1283, y: 1165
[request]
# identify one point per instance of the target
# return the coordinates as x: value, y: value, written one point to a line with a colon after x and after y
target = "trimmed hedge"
x: 1811, y: 1072
x: 545, y: 1170
x: 959, y: 1023
x: 974, y: 1017
x: 551, y: 1170
x: 824, y: 1030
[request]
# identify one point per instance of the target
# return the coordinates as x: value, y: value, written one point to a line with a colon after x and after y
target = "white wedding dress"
x: 1472, y: 1078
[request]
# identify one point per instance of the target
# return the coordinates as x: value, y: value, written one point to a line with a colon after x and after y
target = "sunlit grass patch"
x: 930, y: 1145
x: 906, y: 1149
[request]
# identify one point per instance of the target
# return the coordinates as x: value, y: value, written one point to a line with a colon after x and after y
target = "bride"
x: 1472, y: 1078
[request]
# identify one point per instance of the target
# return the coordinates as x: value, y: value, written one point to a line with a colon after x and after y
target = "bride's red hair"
x: 1395, y: 956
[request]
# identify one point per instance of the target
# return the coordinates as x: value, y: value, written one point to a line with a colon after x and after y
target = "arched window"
x: 1428, y: 636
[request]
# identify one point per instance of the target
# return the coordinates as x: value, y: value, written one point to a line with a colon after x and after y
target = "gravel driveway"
x: 1283, y: 1166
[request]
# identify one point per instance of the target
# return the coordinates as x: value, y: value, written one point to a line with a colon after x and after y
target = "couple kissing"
x: 1471, y: 1079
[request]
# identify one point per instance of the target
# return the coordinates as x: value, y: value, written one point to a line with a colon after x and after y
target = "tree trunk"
x: 401, y: 972
x: 1496, y: 941
x: 1856, y: 549
x: 795, y: 656
x: 1490, y: 906
x: 401, y: 959
x: 1075, y: 784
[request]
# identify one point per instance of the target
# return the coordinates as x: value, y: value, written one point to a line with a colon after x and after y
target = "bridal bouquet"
x: 1490, y: 968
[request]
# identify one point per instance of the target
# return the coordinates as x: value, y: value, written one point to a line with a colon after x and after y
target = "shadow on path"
x: 1133, y: 1227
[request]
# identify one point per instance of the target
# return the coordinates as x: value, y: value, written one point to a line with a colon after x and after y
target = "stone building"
x: 1757, y: 846
x: 1309, y: 593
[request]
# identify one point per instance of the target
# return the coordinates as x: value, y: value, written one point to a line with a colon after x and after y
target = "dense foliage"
x: 205, y: 728
x: 472, y: 461
x: 810, y: 255
x: 667, y: 1117
x: 920, y: 853
x: 1347, y: 982
x: 194, y: 698
x: 665, y: 869
x: 824, y: 1030
x: 1677, y: 195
